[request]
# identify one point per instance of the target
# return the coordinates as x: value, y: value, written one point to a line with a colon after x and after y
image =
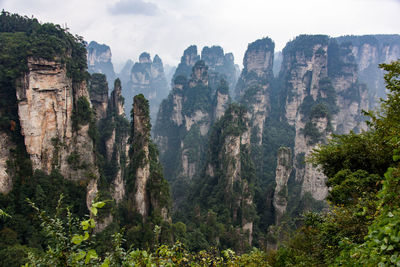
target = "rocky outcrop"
x: 227, y: 177
x: 147, y: 189
x: 220, y: 66
x: 185, y: 119
x: 305, y: 62
x: 99, y: 61
x: 6, y: 144
x: 369, y: 51
x: 117, y: 100
x: 253, y: 88
x: 282, y: 174
x: 125, y: 74
x: 98, y: 90
x: 147, y: 77
x: 323, y: 95
x: 116, y: 146
x: 189, y: 58
x: 46, y: 100
x: 141, y: 132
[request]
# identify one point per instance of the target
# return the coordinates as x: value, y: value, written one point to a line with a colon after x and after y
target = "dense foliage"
x: 361, y: 228
x: 21, y: 38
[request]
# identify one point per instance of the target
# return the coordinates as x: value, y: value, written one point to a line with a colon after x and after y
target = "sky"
x: 168, y: 27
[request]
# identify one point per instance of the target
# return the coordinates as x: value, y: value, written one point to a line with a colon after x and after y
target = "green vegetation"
x: 361, y: 228
x: 98, y: 84
x: 82, y: 114
x: 305, y: 44
x: 70, y: 244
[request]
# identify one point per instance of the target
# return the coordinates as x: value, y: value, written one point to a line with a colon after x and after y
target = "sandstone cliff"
x: 99, y: 61
x: 254, y: 85
x: 147, y: 77
x: 184, y: 122
x: 228, y: 177
x: 283, y: 171
x: 148, y: 191
x: 98, y: 90
x: 189, y: 58
x: 370, y: 51
x: 6, y: 180
x: 323, y: 95
x: 220, y: 66
x: 46, y: 101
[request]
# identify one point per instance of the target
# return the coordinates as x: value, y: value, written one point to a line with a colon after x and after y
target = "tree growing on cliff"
x: 362, y: 228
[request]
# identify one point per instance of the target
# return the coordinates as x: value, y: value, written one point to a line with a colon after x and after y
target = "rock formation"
x: 370, y: 51
x: 184, y: 121
x: 125, y: 73
x: 283, y: 171
x: 220, y: 65
x: 189, y: 58
x: 254, y: 85
x: 148, y: 191
x: 147, y: 77
x: 99, y: 61
x: 226, y: 183
x: 6, y: 181
x: 98, y: 90
x: 47, y: 99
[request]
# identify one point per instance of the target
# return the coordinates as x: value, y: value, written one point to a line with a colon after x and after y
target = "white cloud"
x: 167, y: 27
x: 133, y: 7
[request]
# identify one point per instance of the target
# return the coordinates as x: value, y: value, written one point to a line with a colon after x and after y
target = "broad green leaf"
x: 90, y: 255
x: 79, y: 255
x: 86, y: 236
x: 85, y: 224
x: 92, y: 223
x: 98, y: 205
x: 106, y: 263
x: 93, y: 210
x: 77, y: 239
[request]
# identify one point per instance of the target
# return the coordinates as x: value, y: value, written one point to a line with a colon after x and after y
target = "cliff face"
x: 116, y: 142
x: 99, y: 61
x: 125, y: 74
x: 98, y: 90
x: 6, y: 181
x: 254, y: 85
x: 323, y: 96
x: 189, y: 58
x: 305, y: 61
x: 283, y: 171
x: 184, y: 121
x: 148, y: 191
x: 46, y: 99
x: 220, y: 66
x: 147, y: 77
x: 229, y: 173
x: 370, y: 51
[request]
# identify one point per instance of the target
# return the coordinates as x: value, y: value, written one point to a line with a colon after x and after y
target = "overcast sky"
x: 167, y: 27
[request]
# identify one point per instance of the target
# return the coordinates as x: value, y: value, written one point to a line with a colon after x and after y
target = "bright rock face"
x: 46, y: 99
x: 283, y: 171
x: 6, y: 144
x: 229, y: 169
x: 45, y: 102
x: 147, y: 77
x: 185, y: 119
x: 99, y: 61
x: 369, y: 51
x: 253, y: 87
x: 148, y: 191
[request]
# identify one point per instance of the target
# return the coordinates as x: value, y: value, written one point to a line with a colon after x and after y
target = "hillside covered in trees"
x: 292, y: 170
